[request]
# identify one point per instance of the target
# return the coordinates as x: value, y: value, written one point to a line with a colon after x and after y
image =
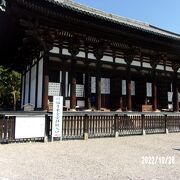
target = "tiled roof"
x: 114, y: 18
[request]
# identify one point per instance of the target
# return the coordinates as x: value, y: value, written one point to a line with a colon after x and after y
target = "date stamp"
x: 153, y: 160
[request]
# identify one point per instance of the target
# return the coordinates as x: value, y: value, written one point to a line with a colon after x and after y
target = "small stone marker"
x: 28, y: 107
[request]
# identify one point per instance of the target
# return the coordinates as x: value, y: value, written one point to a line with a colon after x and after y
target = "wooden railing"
x: 7, y: 128
x: 75, y: 125
x: 106, y: 124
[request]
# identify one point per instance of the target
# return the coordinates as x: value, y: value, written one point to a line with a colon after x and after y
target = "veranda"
x: 96, y: 61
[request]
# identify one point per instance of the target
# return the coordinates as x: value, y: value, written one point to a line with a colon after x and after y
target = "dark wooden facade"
x: 69, y: 44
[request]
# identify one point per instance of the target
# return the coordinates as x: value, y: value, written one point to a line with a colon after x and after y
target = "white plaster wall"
x: 146, y: 65
x: 120, y: 60
x: 133, y: 87
x: 105, y: 85
x: 93, y: 84
x: 22, y: 91
x: 67, y: 103
x: 81, y: 103
x: 27, y: 88
x: 136, y: 63
x: 107, y: 58
x: 65, y: 52
x: 123, y: 87
x: 33, y: 85
x: 66, y: 87
x: 160, y: 67
x: 55, y: 50
x: 81, y: 54
x: 149, y: 89
x: 91, y: 56
x: 168, y: 68
x: 60, y: 76
x: 40, y: 84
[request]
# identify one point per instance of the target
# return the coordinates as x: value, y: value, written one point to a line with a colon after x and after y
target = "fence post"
x: 2, y: 128
x: 5, y: 130
x: 46, y: 128
x: 143, y: 124
x: 116, y: 125
x: 166, y: 129
x: 86, y: 122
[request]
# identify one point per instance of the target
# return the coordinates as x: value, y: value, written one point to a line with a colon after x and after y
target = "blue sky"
x: 161, y: 13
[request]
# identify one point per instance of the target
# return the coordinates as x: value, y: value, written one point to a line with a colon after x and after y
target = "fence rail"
x: 76, y: 125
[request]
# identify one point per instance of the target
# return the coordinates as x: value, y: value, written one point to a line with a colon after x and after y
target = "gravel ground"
x: 104, y: 158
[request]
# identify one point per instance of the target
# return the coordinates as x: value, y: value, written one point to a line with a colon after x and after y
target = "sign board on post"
x: 57, y: 117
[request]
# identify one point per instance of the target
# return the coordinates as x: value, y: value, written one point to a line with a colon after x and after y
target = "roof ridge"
x: 116, y: 18
x: 101, y: 12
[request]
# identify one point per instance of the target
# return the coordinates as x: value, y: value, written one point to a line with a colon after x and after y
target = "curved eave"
x: 108, y: 19
x: 47, y: 6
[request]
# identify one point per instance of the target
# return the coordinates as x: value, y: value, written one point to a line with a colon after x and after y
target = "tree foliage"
x: 10, y: 83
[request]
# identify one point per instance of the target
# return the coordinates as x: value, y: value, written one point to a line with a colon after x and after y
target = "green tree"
x: 10, y: 82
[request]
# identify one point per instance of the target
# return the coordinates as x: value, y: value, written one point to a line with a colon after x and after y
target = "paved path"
x: 105, y: 158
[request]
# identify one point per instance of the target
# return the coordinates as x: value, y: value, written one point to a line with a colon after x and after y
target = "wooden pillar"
x: 129, y: 56
x: 45, y: 80
x: 175, y: 95
x: 154, y: 87
x: 29, y: 95
x: 63, y: 86
x: 128, y: 89
x: 87, y: 90
x: 175, y: 67
x: 22, y: 90
x: 36, y: 92
x: 98, y: 87
x: 24, y: 93
x: 154, y: 62
x: 98, y: 53
x: 73, y: 84
x: 73, y: 50
x: 154, y: 94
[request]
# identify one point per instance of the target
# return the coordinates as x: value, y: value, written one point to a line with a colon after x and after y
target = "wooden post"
x: 4, y: 128
x: 154, y: 62
x: 154, y: 94
x: 175, y: 67
x: 116, y: 125
x: 85, y: 127
x: 98, y: 53
x: 129, y: 56
x: 45, y: 80
x: 36, y: 91
x: 175, y: 97
x: 87, y: 91
x: 73, y: 84
x: 165, y: 119
x: 29, y: 95
x: 128, y: 89
x: 73, y: 50
x: 24, y: 95
x: 143, y: 124
x: 98, y: 87
x: 46, y: 131
x: 63, y: 86
x: 21, y: 90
